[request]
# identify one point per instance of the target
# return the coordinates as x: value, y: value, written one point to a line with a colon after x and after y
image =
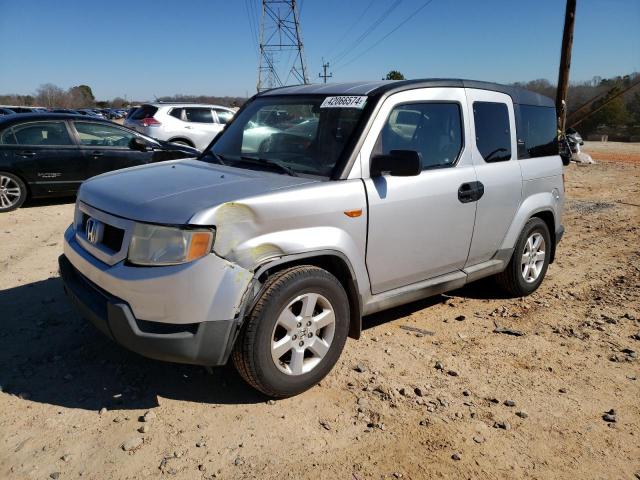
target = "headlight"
x: 156, y: 245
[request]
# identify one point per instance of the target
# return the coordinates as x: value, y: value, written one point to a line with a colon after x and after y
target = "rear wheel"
x: 530, y: 260
x: 295, y: 333
x: 13, y: 192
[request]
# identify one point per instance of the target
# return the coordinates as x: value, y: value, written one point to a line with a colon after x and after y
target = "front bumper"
x: 207, y: 289
x: 181, y: 313
x: 204, y: 343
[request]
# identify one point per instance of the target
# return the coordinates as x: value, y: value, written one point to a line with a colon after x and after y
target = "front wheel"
x: 295, y: 333
x: 530, y: 260
x: 13, y: 192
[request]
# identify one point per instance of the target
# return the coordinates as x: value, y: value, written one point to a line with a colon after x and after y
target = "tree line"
x: 619, y: 119
x: 49, y: 95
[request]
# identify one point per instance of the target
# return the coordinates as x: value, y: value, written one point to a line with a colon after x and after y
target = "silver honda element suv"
x: 318, y: 205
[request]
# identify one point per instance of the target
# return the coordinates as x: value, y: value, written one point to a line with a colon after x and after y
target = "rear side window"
x: 537, y: 132
x: 176, y: 112
x: 199, y: 115
x: 42, y: 133
x: 7, y: 137
x: 493, y: 135
x: 432, y: 129
x: 145, y: 111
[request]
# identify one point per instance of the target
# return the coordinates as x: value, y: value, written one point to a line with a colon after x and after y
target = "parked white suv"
x: 190, y: 124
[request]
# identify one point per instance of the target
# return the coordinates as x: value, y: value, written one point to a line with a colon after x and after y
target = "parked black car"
x: 64, y: 110
x: 28, y: 109
x: 49, y: 154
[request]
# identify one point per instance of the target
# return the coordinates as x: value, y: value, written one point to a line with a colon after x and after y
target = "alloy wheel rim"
x: 303, y: 334
x: 533, y: 257
x: 9, y: 192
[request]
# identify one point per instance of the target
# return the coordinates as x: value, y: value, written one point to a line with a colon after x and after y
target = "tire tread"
x: 242, y: 353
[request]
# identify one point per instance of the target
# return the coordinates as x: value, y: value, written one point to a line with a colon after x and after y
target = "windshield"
x: 299, y: 135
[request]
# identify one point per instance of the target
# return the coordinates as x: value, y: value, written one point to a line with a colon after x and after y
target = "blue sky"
x: 144, y: 48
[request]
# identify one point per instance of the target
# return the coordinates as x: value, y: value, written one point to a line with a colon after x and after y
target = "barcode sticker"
x: 344, y: 102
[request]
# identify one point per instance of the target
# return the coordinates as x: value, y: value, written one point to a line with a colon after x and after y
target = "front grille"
x: 112, y: 237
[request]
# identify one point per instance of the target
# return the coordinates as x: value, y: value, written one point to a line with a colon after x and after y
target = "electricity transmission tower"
x: 280, y: 39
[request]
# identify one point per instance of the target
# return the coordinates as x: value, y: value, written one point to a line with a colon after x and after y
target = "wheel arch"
x: 182, y: 139
x: 21, y: 177
x: 549, y: 219
x: 335, y: 263
x: 542, y: 205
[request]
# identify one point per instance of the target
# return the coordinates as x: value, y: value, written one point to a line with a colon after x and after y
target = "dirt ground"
x: 501, y: 406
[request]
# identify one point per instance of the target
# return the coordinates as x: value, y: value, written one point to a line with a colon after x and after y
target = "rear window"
x: 537, y: 132
x: 145, y: 111
x: 493, y: 135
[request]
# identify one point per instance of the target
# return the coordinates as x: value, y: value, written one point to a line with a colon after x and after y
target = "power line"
x: 252, y: 21
x: 396, y: 28
x: 348, y: 49
x: 350, y: 28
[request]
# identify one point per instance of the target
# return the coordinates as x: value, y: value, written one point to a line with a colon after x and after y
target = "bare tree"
x: 50, y: 95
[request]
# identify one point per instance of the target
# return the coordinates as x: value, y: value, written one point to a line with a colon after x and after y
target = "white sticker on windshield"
x: 344, y: 102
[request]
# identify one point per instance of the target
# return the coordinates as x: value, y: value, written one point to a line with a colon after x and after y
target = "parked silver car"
x: 190, y: 124
x: 357, y: 198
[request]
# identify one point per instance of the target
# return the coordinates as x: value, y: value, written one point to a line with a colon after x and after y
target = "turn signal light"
x: 353, y: 213
x: 200, y: 245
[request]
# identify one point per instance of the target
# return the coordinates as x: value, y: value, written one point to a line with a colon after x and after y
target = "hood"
x: 172, y: 192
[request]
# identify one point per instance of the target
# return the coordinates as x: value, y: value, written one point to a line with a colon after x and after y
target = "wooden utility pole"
x: 565, y: 64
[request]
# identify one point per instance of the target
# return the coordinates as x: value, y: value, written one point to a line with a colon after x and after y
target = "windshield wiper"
x: 270, y: 163
x: 216, y: 156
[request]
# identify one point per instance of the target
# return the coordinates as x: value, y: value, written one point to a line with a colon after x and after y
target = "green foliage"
x: 634, y: 108
x: 86, y: 91
x: 395, y: 75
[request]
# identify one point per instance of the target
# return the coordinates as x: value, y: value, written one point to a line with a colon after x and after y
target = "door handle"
x: 188, y: 127
x: 97, y: 154
x: 470, y: 192
x: 27, y: 154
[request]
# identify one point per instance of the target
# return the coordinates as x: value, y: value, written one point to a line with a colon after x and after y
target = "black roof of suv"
x: 518, y: 95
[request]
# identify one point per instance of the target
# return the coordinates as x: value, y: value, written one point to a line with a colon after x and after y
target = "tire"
x: 281, y: 318
x: 13, y: 192
x: 521, y: 279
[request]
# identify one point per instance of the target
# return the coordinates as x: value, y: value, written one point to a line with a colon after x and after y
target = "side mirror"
x: 139, y: 144
x: 398, y: 163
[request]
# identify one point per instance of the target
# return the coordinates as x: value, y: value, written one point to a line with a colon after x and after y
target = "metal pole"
x: 324, y: 75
